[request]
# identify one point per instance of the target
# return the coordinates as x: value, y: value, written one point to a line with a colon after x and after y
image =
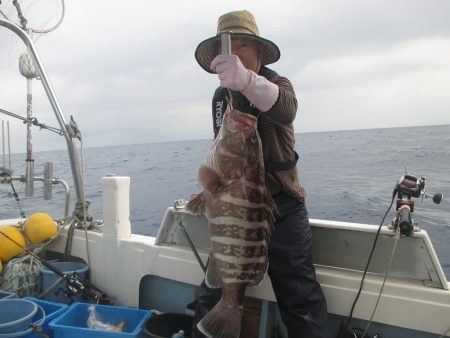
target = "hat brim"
x: 208, y: 49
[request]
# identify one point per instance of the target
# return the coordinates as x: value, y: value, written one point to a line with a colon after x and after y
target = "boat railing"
x: 47, y: 187
x: 69, y: 130
x: 337, y: 245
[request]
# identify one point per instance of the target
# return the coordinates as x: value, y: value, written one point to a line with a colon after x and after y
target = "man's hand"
x: 232, y: 73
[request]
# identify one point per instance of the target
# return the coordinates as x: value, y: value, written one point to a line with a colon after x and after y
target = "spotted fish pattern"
x: 238, y: 208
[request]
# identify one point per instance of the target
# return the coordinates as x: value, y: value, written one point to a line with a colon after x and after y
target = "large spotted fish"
x: 239, y: 213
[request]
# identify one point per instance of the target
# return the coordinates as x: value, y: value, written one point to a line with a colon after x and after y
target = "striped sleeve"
x: 284, y: 110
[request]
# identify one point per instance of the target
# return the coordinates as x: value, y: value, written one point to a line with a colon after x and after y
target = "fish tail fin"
x: 119, y: 327
x: 223, y: 321
x: 197, y: 203
x: 213, y: 279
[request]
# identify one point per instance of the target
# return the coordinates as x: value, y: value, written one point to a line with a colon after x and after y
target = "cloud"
x: 127, y: 73
x: 404, y: 84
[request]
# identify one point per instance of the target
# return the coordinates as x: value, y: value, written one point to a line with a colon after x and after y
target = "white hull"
x: 119, y: 260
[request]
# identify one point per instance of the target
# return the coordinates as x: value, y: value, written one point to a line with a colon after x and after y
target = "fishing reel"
x: 76, y: 286
x: 407, y: 188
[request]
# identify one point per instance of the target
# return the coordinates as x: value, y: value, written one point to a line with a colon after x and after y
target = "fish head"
x: 238, y: 122
x: 229, y: 152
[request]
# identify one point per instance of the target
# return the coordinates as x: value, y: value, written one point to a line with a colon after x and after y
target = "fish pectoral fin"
x: 208, y: 177
x: 213, y: 279
x: 196, y: 203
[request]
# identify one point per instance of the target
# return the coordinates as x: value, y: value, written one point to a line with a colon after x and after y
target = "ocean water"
x: 348, y: 176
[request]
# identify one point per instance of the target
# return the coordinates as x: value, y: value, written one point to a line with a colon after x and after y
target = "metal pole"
x: 3, y: 144
x: 226, y: 42
x: 76, y: 173
x: 29, y: 174
x: 48, y: 176
x: 9, y: 145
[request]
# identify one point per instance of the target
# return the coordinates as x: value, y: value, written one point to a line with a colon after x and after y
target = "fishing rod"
x: 191, y: 244
x: 74, y: 285
x: 406, y: 188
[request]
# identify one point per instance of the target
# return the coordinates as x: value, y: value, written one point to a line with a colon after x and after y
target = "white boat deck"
x: 415, y: 296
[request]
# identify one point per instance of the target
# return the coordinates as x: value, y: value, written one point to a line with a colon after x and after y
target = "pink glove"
x: 261, y: 92
x: 232, y: 73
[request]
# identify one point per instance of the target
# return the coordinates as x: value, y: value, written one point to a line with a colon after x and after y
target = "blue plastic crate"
x: 6, y: 295
x: 73, y: 323
x: 52, y: 310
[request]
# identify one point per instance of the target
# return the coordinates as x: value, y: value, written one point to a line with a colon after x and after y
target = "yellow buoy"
x: 40, y: 227
x: 9, y: 249
x: 1, y: 267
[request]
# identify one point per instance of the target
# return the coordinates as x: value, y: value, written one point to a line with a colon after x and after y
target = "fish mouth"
x: 240, y: 122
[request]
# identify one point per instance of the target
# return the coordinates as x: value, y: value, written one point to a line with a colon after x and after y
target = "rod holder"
x: 48, y: 180
x: 29, y: 178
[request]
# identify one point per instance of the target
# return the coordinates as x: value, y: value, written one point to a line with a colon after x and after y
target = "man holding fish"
x: 251, y: 165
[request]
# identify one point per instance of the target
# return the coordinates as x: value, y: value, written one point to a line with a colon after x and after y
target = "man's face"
x: 248, y: 52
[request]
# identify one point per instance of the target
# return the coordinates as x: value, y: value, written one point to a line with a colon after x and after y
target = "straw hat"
x: 241, y: 23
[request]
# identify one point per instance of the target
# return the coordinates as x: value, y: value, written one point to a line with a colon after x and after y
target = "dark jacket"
x: 276, y: 131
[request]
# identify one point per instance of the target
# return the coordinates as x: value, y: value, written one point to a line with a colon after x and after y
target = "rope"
x: 38, y: 330
x: 16, y: 196
x: 23, y: 21
x: 84, y: 204
x: 68, y: 248
x: 80, y: 218
x: 21, y: 276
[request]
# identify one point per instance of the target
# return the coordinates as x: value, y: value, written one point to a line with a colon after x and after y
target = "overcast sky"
x: 126, y: 69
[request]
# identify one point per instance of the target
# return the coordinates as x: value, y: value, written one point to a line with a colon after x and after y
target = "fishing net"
x: 37, y: 17
x: 22, y: 276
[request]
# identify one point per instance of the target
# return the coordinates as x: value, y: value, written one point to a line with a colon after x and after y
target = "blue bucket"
x: 51, y: 310
x: 16, y: 315
x: 6, y: 295
x: 49, y: 278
